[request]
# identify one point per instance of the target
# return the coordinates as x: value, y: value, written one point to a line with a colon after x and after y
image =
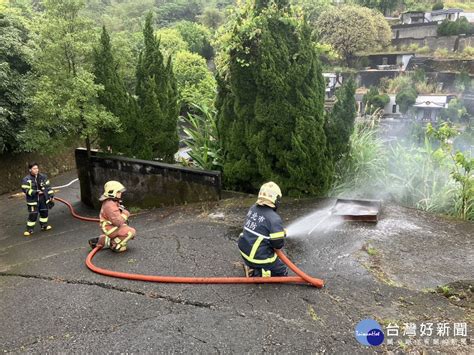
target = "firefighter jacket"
x: 112, y: 216
x: 34, y: 187
x: 263, y: 232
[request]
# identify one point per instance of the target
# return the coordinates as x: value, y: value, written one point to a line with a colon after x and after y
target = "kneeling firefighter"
x: 113, y: 220
x: 263, y: 233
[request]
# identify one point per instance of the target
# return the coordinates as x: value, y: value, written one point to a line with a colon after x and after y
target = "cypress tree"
x: 114, y: 98
x: 340, y: 123
x: 157, y: 97
x: 271, y: 104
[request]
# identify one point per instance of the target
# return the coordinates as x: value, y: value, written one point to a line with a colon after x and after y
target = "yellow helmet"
x: 111, y: 188
x: 269, y: 195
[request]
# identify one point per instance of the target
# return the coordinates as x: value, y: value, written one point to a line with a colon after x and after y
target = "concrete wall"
x: 368, y: 78
x: 13, y: 167
x: 149, y: 184
x: 414, y: 30
x: 451, y: 43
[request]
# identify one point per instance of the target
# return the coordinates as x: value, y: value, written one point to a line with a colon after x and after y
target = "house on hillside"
x: 411, y: 17
x: 390, y: 61
x: 428, y: 107
x: 436, y: 16
x: 445, y: 14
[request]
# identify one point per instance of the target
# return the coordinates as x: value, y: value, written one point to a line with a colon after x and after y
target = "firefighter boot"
x: 93, y: 242
x: 28, y: 233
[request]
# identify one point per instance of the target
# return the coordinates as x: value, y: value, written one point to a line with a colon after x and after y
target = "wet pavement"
x: 51, y: 302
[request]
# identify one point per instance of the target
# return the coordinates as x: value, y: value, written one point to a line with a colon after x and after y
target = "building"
x: 436, y: 16
x: 390, y: 61
x: 428, y: 107
x: 333, y: 81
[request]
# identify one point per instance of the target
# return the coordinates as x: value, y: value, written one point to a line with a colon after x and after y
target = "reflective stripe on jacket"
x: 33, y: 185
x: 263, y: 232
x: 112, y: 216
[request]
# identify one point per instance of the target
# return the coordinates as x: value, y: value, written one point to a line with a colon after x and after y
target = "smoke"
x: 314, y: 223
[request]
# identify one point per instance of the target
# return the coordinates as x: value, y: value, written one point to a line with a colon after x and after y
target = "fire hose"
x: 301, y: 277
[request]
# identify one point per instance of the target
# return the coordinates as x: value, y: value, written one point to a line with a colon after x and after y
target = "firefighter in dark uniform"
x: 39, y: 199
x: 263, y: 233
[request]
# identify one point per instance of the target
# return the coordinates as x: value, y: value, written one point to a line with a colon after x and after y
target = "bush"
x: 201, y: 132
x: 374, y: 101
x: 197, y: 36
x: 441, y: 53
x: 452, y: 28
x: 438, y: 6
x: 468, y: 51
x: 399, y: 83
x: 406, y: 98
x: 423, y: 50
x: 196, y: 84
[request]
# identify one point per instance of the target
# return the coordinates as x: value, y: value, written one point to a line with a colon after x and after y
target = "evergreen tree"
x: 271, y: 103
x: 157, y: 96
x: 340, y: 123
x: 115, y: 99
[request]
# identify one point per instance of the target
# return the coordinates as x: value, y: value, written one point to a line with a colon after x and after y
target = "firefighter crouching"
x: 263, y: 233
x: 39, y: 199
x: 113, y: 220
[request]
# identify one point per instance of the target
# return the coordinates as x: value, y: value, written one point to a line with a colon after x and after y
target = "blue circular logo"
x: 368, y: 332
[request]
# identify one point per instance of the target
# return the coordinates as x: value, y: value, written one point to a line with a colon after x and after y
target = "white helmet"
x: 269, y: 195
x: 111, y: 188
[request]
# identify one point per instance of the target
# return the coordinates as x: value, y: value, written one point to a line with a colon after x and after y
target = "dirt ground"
x: 410, y: 267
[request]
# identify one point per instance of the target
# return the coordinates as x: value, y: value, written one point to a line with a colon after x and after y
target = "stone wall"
x: 13, y: 167
x: 414, y: 31
x: 149, y: 183
x: 451, y: 43
x: 368, y: 78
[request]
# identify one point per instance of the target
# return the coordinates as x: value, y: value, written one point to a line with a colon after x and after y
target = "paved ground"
x: 50, y: 301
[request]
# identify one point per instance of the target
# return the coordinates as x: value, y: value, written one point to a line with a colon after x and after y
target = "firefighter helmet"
x: 111, y: 188
x: 269, y: 195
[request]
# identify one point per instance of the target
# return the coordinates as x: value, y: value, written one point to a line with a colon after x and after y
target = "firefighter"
x: 113, y: 220
x: 39, y: 199
x: 263, y: 233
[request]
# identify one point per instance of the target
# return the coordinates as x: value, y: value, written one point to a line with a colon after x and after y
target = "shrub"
x: 441, y: 53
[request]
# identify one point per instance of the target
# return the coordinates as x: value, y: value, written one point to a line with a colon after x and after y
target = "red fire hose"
x: 301, y: 278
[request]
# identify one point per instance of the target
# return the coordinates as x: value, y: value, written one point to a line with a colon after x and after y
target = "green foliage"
x: 438, y: 6
x: 340, y: 123
x: 270, y: 102
x: 384, y: 6
x: 455, y: 112
x: 196, y: 84
x: 399, y: 83
x: 201, y: 131
x: 169, y: 12
x: 451, y: 28
x: 14, y: 71
x: 64, y: 105
x: 157, y: 97
x: 171, y: 42
x: 211, y: 18
x: 350, y: 29
x: 426, y: 177
x: 406, y: 98
x: 462, y: 169
x: 361, y: 172
x: 115, y: 99
x: 463, y: 81
x: 374, y: 101
x: 197, y: 36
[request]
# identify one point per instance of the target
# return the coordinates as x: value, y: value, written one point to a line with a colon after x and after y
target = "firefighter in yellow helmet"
x: 263, y: 233
x: 113, y: 220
